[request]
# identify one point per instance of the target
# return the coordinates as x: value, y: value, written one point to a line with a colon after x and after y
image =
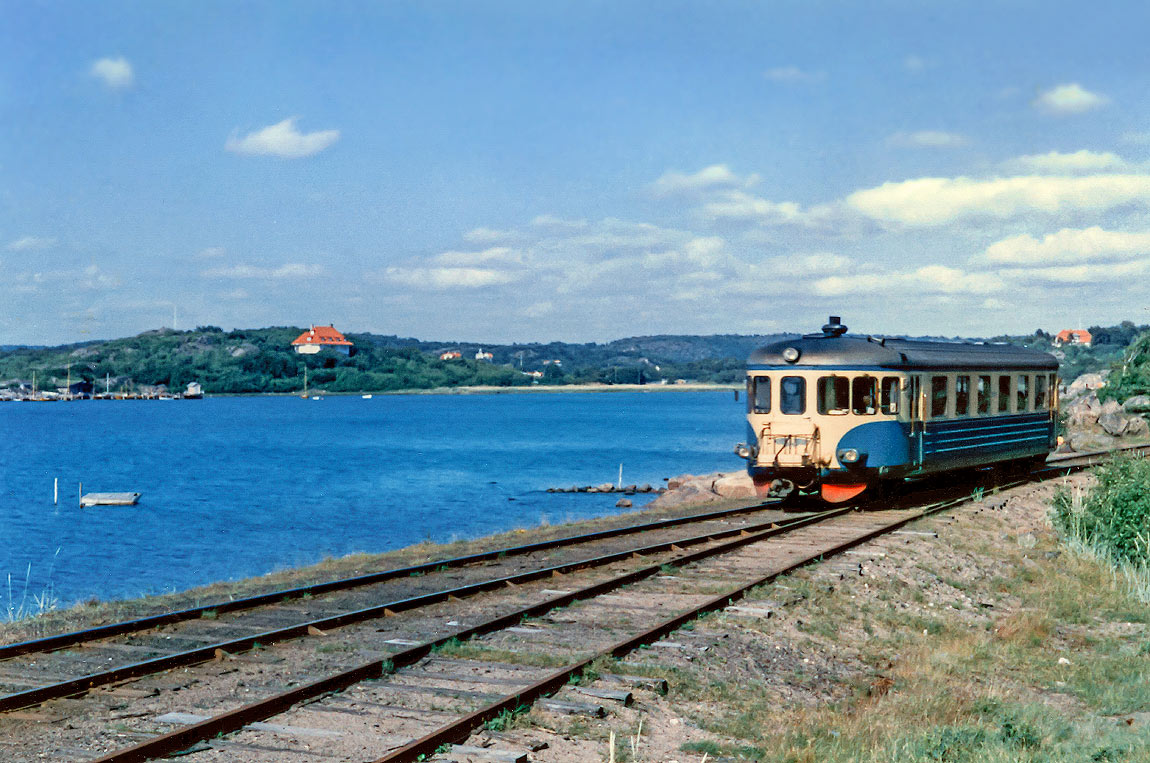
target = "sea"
x: 240, y: 486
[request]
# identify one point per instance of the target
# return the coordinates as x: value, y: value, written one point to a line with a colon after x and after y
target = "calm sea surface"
x: 235, y: 487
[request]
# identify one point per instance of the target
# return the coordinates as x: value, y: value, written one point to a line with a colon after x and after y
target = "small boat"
x: 109, y: 499
x: 316, y: 397
x: 366, y: 397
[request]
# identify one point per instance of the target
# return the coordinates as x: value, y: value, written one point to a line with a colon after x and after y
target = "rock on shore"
x: 690, y: 488
x: 1094, y: 425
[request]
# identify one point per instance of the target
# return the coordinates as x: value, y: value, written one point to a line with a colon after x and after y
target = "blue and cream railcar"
x: 835, y: 414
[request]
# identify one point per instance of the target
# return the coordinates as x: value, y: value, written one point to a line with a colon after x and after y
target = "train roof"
x: 835, y: 348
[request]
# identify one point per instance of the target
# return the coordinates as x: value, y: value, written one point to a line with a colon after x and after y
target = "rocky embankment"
x: 1094, y: 425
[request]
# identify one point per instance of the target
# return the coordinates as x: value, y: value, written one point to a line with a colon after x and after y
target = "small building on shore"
x: 450, y: 355
x: 321, y: 338
x: 1073, y: 336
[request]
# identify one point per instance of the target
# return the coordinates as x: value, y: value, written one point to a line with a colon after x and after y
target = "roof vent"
x: 834, y: 327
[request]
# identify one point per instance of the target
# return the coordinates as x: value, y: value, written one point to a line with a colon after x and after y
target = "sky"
x: 572, y: 171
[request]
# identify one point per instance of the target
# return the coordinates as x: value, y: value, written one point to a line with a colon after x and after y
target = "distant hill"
x: 262, y: 361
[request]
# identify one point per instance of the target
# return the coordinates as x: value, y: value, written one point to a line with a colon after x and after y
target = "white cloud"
x: 936, y: 201
x: 30, y: 243
x: 438, y: 278
x: 499, y: 254
x: 928, y: 139
x: 212, y: 253
x: 1094, y: 273
x: 115, y: 73
x: 286, y: 271
x: 1062, y: 163
x: 792, y: 75
x: 930, y: 279
x: 235, y: 294
x: 739, y: 205
x: 715, y: 177
x: 1067, y: 246
x: 283, y: 140
x: 1070, y: 98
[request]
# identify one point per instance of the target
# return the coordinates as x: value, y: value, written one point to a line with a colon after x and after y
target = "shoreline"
x: 495, y: 390
x: 94, y: 611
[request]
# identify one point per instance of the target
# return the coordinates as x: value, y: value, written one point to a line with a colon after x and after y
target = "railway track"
x: 406, y: 638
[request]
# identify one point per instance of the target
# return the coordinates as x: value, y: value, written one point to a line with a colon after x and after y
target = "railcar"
x: 838, y: 414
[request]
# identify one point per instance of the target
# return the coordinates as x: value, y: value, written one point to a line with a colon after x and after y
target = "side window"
x: 793, y: 395
x: 914, y: 393
x: 834, y: 395
x: 962, y: 396
x: 761, y: 395
x: 1052, y: 385
x: 1023, y: 392
x: 937, y: 396
x: 864, y: 397
x: 1003, y: 394
x: 888, y: 400
x: 983, y: 395
x: 1039, y: 392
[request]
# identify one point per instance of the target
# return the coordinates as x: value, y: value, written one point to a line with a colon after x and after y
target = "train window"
x: 962, y: 396
x: 834, y: 395
x: 1039, y: 392
x: 760, y: 394
x: 888, y: 400
x: 793, y: 395
x: 864, y: 395
x: 983, y: 395
x: 1003, y: 394
x: 937, y: 396
x: 914, y: 392
x: 1023, y: 392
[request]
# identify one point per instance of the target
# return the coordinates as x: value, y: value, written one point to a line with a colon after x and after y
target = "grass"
x: 464, y: 650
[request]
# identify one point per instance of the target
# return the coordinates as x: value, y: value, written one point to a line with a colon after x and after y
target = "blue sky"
x: 572, y: 171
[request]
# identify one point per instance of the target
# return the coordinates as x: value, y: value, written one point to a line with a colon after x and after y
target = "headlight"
x: 848, y: 456
x: 791, y: 354
x: 744, y: 451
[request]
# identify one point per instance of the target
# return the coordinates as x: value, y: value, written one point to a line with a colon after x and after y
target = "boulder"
x: 1137, y: 404
x: 1085, y: 383
x: 606, y: 487
x: 734, y: 485
x: 1083, y: 442
x: 1137, y: 427
x: 1112, y: 419
x: 1083, y: 412
x: 623, y: 503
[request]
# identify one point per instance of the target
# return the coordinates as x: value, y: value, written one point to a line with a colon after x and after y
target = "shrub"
x: 1114, y: 515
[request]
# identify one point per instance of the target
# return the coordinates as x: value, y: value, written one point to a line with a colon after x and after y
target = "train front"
x: 803, y: 396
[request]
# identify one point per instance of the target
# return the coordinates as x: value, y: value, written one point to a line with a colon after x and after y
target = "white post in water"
x: 56, y: 491
x: 620, y: 476
x: 80, y: 495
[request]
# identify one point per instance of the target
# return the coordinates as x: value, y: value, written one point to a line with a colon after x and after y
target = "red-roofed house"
x: 1073, y: 336
x: 321, y: 338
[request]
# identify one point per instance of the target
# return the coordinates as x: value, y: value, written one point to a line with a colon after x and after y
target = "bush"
x: 1114, y: 515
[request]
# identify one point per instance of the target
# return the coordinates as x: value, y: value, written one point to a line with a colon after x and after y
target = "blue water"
x: 233, y: 487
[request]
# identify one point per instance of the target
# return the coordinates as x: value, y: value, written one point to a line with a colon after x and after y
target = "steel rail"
x: 73, y: 686
x: 181, y: 739
x: 459, y: 729
x: 74, y: 638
